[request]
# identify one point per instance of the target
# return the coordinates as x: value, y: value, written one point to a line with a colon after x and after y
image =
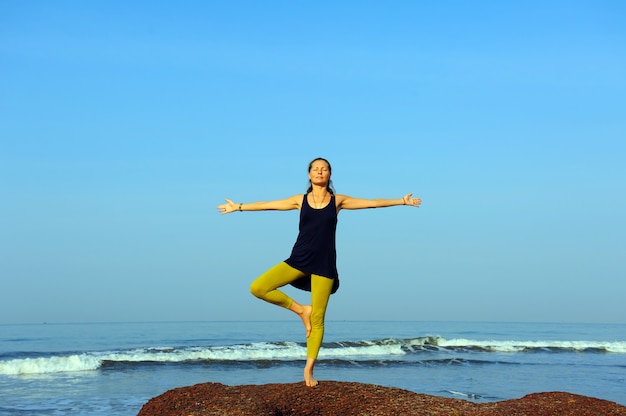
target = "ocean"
x: 114, y: 368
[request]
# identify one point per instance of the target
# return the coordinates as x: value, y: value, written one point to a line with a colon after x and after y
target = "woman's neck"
x: 319, y: 190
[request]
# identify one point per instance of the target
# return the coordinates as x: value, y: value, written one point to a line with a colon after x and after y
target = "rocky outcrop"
x: 332, y: 398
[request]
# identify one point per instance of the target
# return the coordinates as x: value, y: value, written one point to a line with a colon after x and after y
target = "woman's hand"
x: 228, y: 207
x: 414, y: 202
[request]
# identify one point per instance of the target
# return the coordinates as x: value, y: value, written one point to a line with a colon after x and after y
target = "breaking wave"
x: 373, y: 353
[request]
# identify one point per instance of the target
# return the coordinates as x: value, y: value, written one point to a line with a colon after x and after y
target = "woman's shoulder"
x: 340, y: 199
x: 297, y: 199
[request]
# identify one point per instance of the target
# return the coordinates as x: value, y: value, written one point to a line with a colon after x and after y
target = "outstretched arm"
x: 286, y: 204
x: 347, y: 202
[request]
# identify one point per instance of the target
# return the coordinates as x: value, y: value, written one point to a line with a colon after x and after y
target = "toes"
x: 311, y: 383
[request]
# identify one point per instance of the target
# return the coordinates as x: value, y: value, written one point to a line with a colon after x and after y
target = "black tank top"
x: 314, y: 251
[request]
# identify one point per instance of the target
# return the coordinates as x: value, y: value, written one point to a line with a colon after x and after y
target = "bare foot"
x: 308, y: 376
x: 306, y: 318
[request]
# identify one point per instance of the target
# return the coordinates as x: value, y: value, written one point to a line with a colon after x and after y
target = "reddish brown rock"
x: 335, y: 398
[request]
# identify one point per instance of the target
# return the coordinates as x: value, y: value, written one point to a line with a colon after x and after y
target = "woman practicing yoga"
x: 312, y: 264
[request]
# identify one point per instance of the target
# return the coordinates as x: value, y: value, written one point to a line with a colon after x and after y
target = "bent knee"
x: 257, y: 290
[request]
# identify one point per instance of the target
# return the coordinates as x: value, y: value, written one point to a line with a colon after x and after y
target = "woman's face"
x: 319, y: 174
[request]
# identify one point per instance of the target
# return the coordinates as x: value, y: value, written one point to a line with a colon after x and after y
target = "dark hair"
x: 329, y: 187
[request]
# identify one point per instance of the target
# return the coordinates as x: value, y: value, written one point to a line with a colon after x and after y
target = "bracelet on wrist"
x: 240, y: 204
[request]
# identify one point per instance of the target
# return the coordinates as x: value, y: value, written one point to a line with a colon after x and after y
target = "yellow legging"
x: 265, y: 287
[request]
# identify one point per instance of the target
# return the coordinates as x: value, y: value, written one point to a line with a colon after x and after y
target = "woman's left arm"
x: 347, y: 202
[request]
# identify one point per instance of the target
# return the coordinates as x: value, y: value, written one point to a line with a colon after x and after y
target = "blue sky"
x: 123, y: 125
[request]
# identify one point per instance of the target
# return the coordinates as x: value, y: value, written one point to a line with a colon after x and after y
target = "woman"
x: 312, y: 264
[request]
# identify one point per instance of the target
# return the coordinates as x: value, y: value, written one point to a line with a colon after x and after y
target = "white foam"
x: 93, y: 361
x: 618, y: 347
x: 371, y: 350
x: 45, y: 365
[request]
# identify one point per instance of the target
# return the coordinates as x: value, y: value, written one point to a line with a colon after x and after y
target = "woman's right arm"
x: 293, y: 202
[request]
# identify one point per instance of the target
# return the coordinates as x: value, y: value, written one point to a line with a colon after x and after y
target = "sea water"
x: 114, y: 368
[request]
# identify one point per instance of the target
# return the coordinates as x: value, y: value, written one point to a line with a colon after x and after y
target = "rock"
x: 333, y: 398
